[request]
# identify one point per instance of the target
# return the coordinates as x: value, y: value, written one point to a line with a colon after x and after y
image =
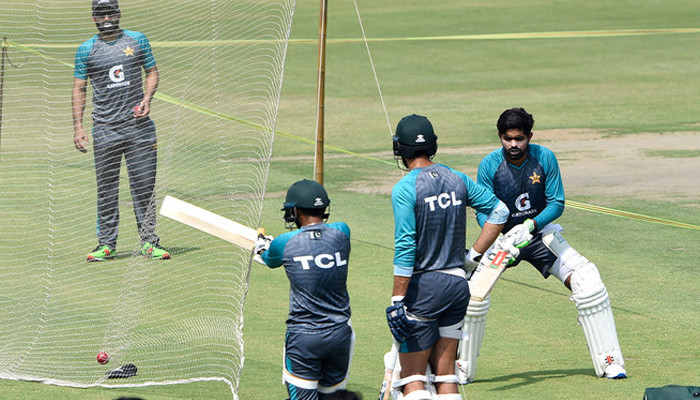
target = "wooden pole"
x: 3, y: 54
x: 320, y: 100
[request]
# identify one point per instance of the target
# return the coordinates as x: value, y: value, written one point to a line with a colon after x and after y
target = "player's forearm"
x: 551, y: 212
x: 273, y: 256
x: 488, y: 235
x: 400, y: 286
x: 554, y: 192
x: 151, y: 84
x: 78, y: 99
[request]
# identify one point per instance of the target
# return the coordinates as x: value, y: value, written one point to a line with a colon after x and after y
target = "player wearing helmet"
x: 430, y: 292
x: 320, y: 339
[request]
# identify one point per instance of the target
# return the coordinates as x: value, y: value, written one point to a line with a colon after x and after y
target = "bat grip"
x: 261, y: 232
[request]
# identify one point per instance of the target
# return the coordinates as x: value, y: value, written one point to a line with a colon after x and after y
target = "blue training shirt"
x: 315, y: 259
x: 430, y: 218
x: 114, y: 69
x: 532, y: 190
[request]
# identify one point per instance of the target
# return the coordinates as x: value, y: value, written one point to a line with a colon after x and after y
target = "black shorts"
x: 438, y: 300
x: 537, y: 254
x: 320, y: 357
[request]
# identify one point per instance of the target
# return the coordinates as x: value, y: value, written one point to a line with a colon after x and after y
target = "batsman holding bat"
x: 113, y: 60
x: 320, y: 340
x: 526, y: 178
x: 430, y: 292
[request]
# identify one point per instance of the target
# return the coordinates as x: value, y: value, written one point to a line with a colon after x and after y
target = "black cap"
x: 306, y: 194
x: 109, y: 4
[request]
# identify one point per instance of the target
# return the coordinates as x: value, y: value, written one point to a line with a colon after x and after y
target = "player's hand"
x: 262, y: 244
x: 503, y: 243
x: 80, y: 140
x: 520, y: 235
x: 398, y: 321
x: 142, y: 109
x: 471, y: 261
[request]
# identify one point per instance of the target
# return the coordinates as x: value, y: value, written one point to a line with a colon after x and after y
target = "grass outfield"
x: 619, y: 68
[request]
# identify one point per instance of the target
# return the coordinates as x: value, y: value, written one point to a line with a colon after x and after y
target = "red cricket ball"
x: 102, y: 357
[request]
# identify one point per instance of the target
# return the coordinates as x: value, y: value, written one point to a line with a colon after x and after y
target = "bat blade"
x: 209, y: 222
x: 389, y: 365
x: 486, y: 275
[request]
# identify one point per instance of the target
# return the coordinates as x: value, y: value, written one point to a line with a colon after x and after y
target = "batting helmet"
x: 414, y: 137
x: 307, y: 195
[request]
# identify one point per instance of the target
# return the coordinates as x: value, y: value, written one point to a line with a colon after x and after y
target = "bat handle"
x: 261, y: 232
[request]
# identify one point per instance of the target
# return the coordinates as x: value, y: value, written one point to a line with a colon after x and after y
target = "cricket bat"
x: 209, y: 222
x: 389, y: 364
x: 487, y: 273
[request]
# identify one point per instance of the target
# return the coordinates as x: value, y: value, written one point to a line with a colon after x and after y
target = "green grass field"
x: 620, y: 69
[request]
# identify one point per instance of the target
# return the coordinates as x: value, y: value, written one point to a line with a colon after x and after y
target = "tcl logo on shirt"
x: 443, y: 200
x: 323, y: 261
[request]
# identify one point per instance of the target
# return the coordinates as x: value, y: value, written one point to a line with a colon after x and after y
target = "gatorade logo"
x: 116, y: 73
x: 323, y: 261
x: 522, y: 203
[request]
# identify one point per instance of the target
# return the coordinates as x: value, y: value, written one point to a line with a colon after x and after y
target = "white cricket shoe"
x: 615, y: 371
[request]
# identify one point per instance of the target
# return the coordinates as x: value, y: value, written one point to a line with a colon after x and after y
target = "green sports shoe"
x: 149, y: 250
x: 101, y: 253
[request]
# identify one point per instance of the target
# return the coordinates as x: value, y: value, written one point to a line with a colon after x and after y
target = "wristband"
x: 530, y: 223
x: 474, y: 255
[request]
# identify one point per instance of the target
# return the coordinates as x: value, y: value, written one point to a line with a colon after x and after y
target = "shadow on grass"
x: 543, y: 289
x: 121, y: 255
x: 528, y: 378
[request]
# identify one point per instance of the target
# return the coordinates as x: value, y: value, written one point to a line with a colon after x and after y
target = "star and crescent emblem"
x: 128, y: 51
x: 535, y: 178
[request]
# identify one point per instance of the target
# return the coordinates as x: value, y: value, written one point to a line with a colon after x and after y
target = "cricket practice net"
x: 178, y: 320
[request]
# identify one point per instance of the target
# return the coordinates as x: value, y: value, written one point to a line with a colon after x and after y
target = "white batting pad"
x: 417, y: 395
x: 452, y: 396
x: 596, y: 317
x: 473, y: 328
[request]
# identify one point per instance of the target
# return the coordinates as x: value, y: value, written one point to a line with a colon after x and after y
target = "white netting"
x: 220, y: 65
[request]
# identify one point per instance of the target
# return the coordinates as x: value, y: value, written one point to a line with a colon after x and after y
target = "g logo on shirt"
x: 116, y: 73
x: 522, y: 203
x: 323, y: 261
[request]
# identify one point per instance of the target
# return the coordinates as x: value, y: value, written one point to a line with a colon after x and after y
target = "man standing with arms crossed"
x: 320, y: 340
x: 112, y: 60
x: 430, y: 292
x: 526, y: 178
